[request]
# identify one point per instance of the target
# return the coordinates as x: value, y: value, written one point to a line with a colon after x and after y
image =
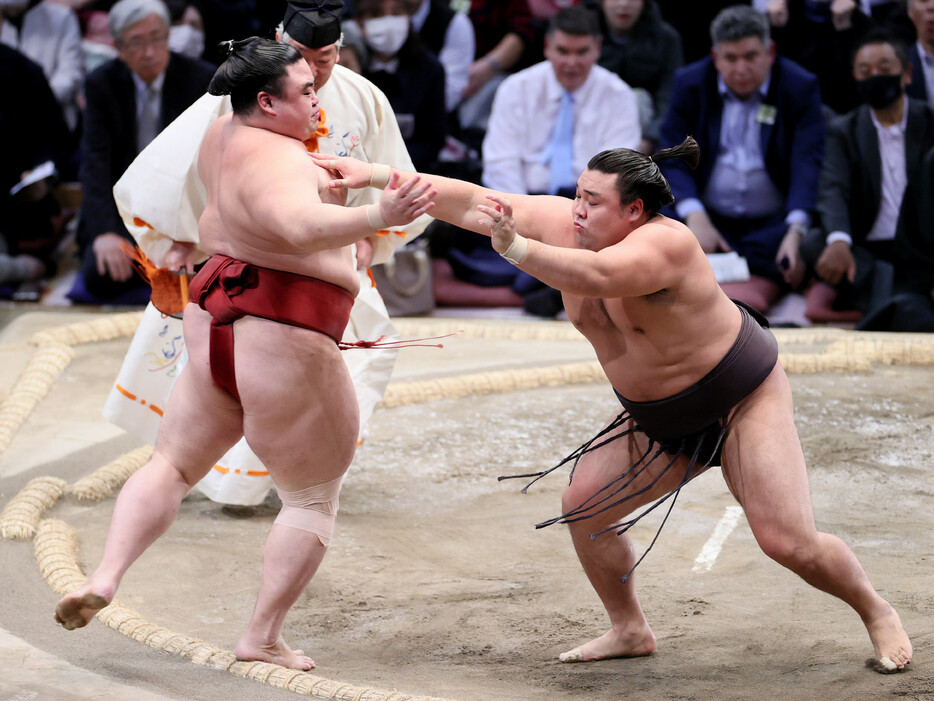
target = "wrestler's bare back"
x: 260, y: 187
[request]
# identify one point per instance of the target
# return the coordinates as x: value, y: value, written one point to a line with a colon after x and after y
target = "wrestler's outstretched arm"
x: 540, y: 217
x: 548, y: 247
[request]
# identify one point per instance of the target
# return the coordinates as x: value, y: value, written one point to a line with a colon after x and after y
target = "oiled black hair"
x: 253, y: 66
x: 880, y: 35
x: 638, y: 176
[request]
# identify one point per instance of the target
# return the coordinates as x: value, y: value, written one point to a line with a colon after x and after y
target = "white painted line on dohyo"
x: 713, y: 546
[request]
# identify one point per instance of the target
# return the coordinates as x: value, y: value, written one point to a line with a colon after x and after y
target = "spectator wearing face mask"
x: 874, y: 155
x: 186, y: 33
x: 408, y: 74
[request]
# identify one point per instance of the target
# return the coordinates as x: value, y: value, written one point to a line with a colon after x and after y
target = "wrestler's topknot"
x: 638, y: 175
x: 252, y: 66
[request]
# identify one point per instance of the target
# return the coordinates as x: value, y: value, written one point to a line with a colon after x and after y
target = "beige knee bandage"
x: 312, y: 509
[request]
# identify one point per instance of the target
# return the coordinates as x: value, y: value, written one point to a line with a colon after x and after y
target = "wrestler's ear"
x: 635, y: 209
x: 264, y: 100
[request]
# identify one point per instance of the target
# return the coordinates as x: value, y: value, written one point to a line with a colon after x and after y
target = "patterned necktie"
x: 559, y: 153
x: 148, y: 125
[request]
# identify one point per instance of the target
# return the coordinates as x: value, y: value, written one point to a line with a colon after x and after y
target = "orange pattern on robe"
x: 311, y: 143
x: 169, y: 289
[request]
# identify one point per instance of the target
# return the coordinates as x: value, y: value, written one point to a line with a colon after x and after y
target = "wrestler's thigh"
x: 763, y: 463
x: 300, y: 410
x: 606, y: 465
x: 201, y: 422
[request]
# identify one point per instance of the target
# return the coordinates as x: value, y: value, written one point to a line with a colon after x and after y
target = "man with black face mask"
x: 873, y: 153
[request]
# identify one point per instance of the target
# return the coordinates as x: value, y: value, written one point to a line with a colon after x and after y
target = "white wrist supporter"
x: 375, y: 218
x: 379, y: 175
x: 517, y: 250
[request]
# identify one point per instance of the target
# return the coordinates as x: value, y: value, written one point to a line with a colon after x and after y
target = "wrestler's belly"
x: 651, y: 352
x: 335, y: 265
x: 649, y: 371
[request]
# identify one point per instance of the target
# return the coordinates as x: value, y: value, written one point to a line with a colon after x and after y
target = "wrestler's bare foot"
x: 78, y: 608
x: 891, y: 643
x: 627, y: 643
x: 278, y: 653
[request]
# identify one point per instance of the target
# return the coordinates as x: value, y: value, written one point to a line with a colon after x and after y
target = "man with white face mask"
x: 49, y: 34
x: 186, y: 35
x: 408, y: 74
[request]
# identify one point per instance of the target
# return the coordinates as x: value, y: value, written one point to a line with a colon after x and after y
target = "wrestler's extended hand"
x: 400, y: 205
x: 349, y: 172
x: 499, y: 219
x: 181, y: 257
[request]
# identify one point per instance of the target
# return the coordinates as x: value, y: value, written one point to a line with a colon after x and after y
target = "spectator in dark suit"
x: 921, y: 53
x: 759, y: 123
x: 130, y: 99
x: 873, y: 154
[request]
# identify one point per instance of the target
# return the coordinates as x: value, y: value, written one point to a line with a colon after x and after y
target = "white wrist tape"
x: 375, y: 218
x: 379, y: 175
x: 517, y: 250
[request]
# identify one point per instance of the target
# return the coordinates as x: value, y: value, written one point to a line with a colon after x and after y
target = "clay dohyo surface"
x: 437, y: 583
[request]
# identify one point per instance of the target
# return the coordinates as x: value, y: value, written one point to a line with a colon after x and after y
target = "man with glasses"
x: 130, y: 99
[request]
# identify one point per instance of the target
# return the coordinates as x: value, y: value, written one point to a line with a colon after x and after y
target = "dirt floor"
x: 437, y: 583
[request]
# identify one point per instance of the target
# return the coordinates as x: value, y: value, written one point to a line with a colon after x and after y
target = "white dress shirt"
x: 51, y: 37
x: 894, y: 181
x: 894, y: 177
x: 457, y: 52
x: 525, y: 109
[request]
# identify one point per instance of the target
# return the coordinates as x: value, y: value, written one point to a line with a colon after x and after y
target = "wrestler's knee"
x: 578, y: 491
x: 795, y: 553
x: 313, y: 509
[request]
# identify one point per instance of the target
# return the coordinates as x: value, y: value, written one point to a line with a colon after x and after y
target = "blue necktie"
x: 559, y: 153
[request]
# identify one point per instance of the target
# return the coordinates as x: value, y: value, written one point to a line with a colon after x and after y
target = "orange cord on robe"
x: 169, y: 289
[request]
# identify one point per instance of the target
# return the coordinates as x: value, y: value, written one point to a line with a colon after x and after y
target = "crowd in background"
x: 481, y: 90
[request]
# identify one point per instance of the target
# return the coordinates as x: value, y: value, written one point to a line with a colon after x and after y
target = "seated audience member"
x: 548, y: 120
x: 129, y: 101
x: 97, y: 44
x: 759, y: 123
x: 49, y: 34
x: 449, y: 36
x: 820, y: 36
x: 186, y: 34
x: 408, y: 74
x: 32, y: 138
x: 643, y: 50
x: 873, y: 154
x: 503, y: 31
x: 921, y: 53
